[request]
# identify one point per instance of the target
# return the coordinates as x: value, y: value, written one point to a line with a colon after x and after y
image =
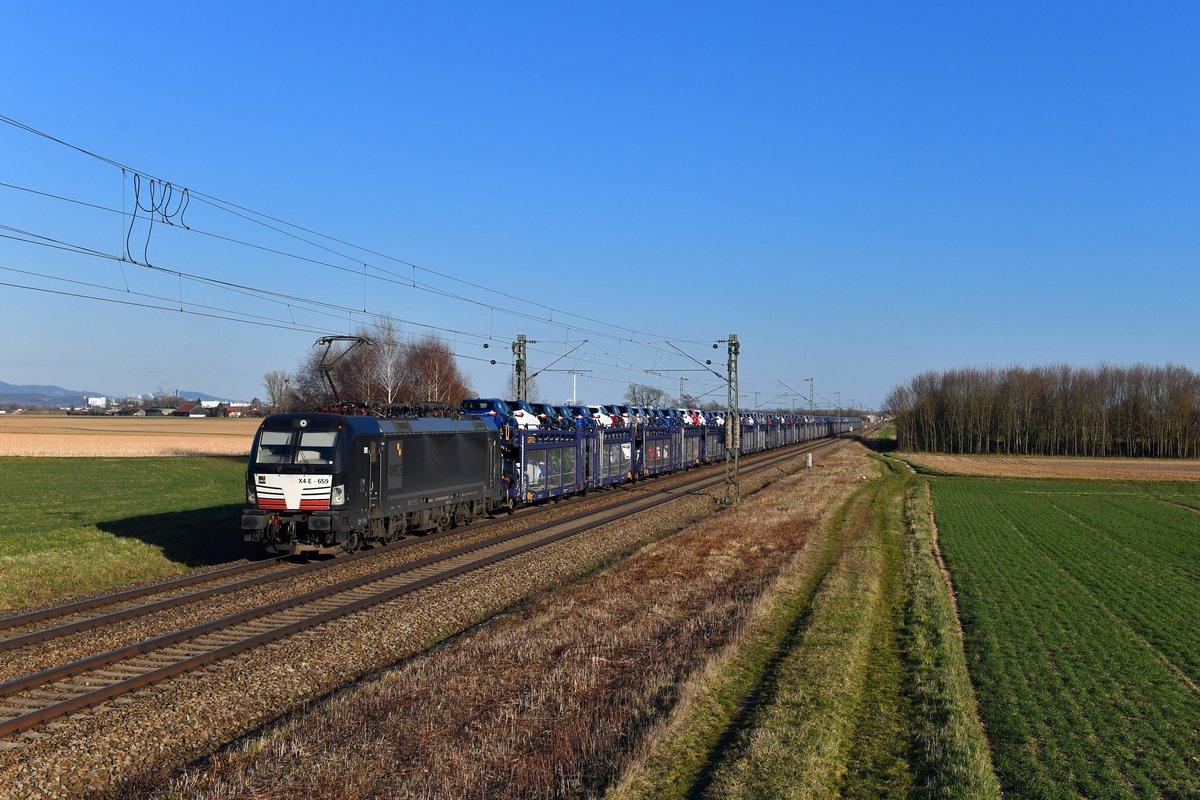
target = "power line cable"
x: 395, y: 279
x: 159, y: 208
x: 258, y: 216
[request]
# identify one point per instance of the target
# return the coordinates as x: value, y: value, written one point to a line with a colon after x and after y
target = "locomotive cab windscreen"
x: 295, y: 462
x: 303, y: 447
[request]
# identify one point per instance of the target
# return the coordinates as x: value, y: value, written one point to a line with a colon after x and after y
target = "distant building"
x: 195, y: 409
x: 239, y: 409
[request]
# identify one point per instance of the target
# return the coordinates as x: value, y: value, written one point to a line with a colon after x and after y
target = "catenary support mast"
x: 733, y: 428
x: 520, y: 368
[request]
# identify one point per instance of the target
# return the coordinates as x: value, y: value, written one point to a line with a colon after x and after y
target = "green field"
x: 1080, y: 602
x: 78, y: 525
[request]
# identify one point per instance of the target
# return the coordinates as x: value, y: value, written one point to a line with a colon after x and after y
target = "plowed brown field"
x: 41, y: 436
x: 1117, y: 469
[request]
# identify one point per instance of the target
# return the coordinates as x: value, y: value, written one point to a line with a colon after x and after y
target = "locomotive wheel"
x: 462, y: 515
x: 353, y: 542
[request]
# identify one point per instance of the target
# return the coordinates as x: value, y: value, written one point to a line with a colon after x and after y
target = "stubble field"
x: 50, y: 436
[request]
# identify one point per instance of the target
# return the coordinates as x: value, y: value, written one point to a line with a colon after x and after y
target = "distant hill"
x: 187, y: 394
x: 33, y: 395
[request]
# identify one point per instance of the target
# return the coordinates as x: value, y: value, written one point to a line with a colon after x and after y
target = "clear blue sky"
x: 860, y: 191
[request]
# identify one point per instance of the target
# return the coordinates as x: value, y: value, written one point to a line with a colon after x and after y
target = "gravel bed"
x: 168, y: 725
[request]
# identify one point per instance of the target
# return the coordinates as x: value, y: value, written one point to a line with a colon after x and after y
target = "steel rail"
x: 42, y: 634
x: 80, y: 606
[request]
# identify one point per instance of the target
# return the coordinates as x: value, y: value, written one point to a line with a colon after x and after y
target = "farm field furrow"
x: 1156, y: 597
x: 1168, y: 538
x: 1105, y: 553
x: 1080, y: 633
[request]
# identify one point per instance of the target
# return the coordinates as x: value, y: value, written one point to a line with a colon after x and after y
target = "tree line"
x: 1060, y: 410
x: 393, y: 369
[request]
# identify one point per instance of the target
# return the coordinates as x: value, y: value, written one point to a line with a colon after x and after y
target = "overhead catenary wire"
x: 210, y: 312
x: 392, y: 278
x: 271, y: 295
x: 216, y: 312
x: 257, y: 217
x: 162, y: 209
x: 335, y: 311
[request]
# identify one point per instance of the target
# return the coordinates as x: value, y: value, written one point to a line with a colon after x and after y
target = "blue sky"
x: 859, y: 191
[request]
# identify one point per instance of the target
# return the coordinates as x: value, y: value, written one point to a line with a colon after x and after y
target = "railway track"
x: 35, y: 699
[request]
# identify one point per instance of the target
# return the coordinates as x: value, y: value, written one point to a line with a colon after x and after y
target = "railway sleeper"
x: 140, y: 666
x: 120, y: 671
x: 157, y: 660
x: 50, y: 694
x: 24, y: 704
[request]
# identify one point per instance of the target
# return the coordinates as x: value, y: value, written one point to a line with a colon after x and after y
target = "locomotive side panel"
x: 423, y: 470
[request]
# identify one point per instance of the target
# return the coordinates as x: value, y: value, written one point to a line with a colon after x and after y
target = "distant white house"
x: 96, y: 402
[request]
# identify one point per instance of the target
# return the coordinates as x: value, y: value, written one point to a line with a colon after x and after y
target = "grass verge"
x: 950, y: 754
x: 679, y: 759
x: 850, y: 681
x: 834, y: 722
x: 79, y: 526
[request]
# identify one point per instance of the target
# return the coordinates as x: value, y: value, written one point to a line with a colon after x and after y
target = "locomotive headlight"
x: 251, y: 497
x: 339, y: 495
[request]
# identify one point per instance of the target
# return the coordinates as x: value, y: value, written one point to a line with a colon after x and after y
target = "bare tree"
x: 1052, y: 410
x: 435, y: 374
x: 533, y: 391
x: 390, y: 362
x: 309, y: 384
x: 278, y: 384
x: 639, y: 394
x: 389, y: 371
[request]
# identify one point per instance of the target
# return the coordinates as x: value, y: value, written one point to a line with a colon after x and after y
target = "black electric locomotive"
x: 321, y: 482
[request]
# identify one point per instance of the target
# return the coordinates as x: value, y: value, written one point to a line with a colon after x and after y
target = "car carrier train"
x: 329, y: 482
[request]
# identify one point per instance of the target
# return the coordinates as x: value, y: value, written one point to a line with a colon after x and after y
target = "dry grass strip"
x: 801, y: 738
x: 675, y: 759
x: 549, y: 700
